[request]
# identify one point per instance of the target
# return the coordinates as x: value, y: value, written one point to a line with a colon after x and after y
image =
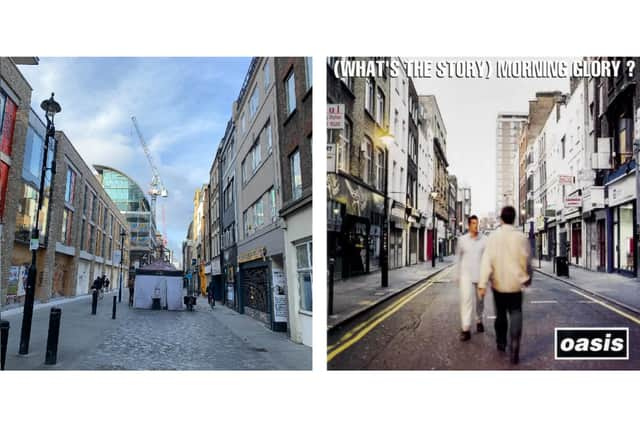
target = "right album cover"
x: 483, y: 213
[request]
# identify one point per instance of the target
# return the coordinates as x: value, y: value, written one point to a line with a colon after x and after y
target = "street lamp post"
x: 122, y: 236
x: 384, y: 241
x: 522, y: 218
x: 51, y: 107
x: 434, y: 196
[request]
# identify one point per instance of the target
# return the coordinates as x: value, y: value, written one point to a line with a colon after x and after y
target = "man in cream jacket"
x: 506, y: 262
x: 469, y: 253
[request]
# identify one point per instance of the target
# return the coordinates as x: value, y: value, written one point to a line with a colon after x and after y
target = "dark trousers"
x: 510, y: 303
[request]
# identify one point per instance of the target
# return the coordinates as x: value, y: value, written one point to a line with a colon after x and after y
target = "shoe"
x: 480, y: 327
x: 465, y: 335
x: 502, y: 347
x: 515, y: 355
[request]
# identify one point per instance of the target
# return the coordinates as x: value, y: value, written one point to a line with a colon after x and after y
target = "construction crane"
x: 157, y: 187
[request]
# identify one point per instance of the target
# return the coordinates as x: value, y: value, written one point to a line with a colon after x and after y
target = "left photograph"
x: 155, y: 213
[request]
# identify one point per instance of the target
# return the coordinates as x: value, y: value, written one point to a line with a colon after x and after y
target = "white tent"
x: 158, y: 280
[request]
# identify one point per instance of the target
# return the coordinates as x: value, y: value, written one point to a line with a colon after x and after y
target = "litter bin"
x: 562, y: 266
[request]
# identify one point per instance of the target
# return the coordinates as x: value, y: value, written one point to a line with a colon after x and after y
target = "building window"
x: 258, y: 214
x: 367, y: 168
x: 267, y: 76
x: 380, y: 172
x: 253, y: 103
x: 245, y: 224
x: 304, y: 270
x: 308, y: 63
x: 274, y: 208
x: 267, y: 131
x: 67, y: 221
x: 380, y: 107
x: 256, y: 156
x: 296, y: 175
x: 368, y: 95
x: 245, y: 172
x: 343, y: 146
x: 290, y: 87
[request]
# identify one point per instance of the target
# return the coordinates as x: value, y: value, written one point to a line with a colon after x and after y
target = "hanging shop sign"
x: 335, y: 116
x: 565, y: 179
x: 280, y: 307
x: 573, y: 201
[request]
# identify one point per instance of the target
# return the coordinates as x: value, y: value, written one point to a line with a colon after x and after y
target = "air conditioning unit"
x: 601, y: 160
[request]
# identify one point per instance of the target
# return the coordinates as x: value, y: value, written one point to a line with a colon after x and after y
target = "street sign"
x: 335, y: 116
x: 117, y: 256
x: 34, y: 244
x: 573, y: 202
x: 565, y: 179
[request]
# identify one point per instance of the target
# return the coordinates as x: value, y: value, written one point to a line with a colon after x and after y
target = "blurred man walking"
x: 469, y: 253
x: 506, y: 262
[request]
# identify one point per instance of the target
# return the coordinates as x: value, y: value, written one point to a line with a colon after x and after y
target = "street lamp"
x: 434, y: 196
x: 522, y: 218
x: 51, y: 108
x: 122, y: 236
x: 386, y: 139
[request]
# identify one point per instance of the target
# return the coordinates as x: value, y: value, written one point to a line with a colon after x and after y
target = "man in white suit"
x: 469, y: 253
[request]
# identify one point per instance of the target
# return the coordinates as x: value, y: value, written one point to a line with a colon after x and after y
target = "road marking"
x: 357, y: 333
x: 351, y: 332
x: 615, y: 310
x: 545, y: 302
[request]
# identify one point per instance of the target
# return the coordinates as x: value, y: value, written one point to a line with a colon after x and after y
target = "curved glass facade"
x: 133, y: 203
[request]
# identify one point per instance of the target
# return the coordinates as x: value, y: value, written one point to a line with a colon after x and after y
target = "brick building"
x: 356, y: 186
x: 295, y: 126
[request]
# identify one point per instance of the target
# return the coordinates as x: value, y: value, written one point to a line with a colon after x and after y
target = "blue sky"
x: 182, y: 106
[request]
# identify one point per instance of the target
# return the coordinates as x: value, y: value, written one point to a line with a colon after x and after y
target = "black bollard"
x: 330, y: 299
x: 113, y: 312
x: 4, y: 338
x: 52, y: 339
x: 94, y: 301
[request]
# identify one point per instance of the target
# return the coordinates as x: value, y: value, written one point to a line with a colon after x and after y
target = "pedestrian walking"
x: 469, y: 256
x: 131, y: 285
x: 210, y: 295
x: 107, y: 284
x: 97, y: 285
x: 506, y: 262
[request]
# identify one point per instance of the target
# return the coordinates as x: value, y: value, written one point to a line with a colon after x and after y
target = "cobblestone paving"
x: 166, y: 340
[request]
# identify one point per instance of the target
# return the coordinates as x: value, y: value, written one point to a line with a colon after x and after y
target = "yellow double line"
x: 615, y: 310
x: 356, y: 334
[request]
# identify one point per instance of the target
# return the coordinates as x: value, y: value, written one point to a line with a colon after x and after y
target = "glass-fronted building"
x: 134, y: 205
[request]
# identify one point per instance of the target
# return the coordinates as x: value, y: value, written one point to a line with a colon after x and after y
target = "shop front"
x: 354, y: 228
x: 263, y: 288
x: 622, y: 226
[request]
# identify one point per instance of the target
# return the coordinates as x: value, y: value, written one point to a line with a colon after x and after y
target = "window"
x: 304, y: 270
x: 380, y: 108
x: 343, y: 146
x: 366, y: 161
x: 290, y: 87
x: 296, y: 176
x: 380, y: 175
x: 33, y: 153
x: 267, y: 76
x: 245, y: 224
x: 242, y: 123
x: 67, y: 221
x: 267, y: 131
x: 245, y: 172
x: 308, y: 63
x: 253, y: 103
x: 256, y: 155
x: 258, y: 213
x: 368, y: 95
x: 71, y: 186
x: 274, y: 208
x: 3, y: 100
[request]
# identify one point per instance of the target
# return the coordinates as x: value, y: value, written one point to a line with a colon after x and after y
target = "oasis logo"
x: 592, y: 343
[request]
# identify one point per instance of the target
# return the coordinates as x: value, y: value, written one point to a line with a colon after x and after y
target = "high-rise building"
x: 508, y: 128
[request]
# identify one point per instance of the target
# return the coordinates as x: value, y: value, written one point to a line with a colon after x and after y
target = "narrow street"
x: 205, y: 339
x: 420, y: 328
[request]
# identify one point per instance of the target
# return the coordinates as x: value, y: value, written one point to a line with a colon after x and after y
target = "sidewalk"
x: 618, y: 289
x: 356, y: 295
